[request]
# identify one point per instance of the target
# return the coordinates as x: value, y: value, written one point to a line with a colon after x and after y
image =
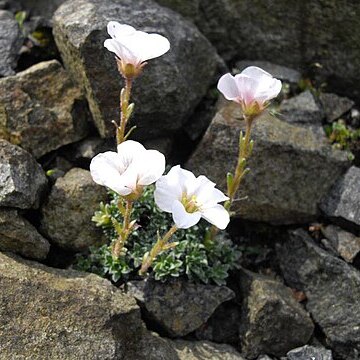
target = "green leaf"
x: 20, y: 17
x: 193, y: 257
x: 229, y: 181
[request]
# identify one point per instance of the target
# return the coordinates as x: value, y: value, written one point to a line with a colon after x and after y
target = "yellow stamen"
x: 189, y: 203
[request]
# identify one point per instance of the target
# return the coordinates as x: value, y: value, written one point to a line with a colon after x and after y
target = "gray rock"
x: 58, y: 167
x: 332, y: 288
x: 22, y: 180
x: 66, y: 215
x: 280, y: 72
x: 168, y: 303
x: 273, y: 322
x: 43, y: 8
x: 343, y: 201
x: 58, y: 314
x: 86, y: 149
x: 201, y: 350
x: 188, y: 8
x: 169, y: 88
x: 164, y: 145
x: 200, y: 120
x: 309, y: 352
x: 334, y: 106
x: 291, y: 33
x: 10, y: 43
x: 292, y: 167
x: 302, y: 109
x: 10, y: 5
x: 41, y: 109
x: 223, y: 325
x: 344, y: 243
x: 264, y: 357
x: 19, y: 236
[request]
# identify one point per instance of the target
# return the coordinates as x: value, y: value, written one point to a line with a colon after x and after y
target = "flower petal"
x: 150, y: 46
x: 133, y: 46
x: 256, y: 73
x: 247, y: 88
x: 150, y: 167
x: 104, y: 169
x: 217, y: 216
x: 210, y: 197
x: 183, y: 219
x: 198, y: 185
x: 118, y: 31
x: 168, y: 189
x: 129, y: 151
x: 227, y: 86
x: 268, y: 87
x: 184, y: 178
x: 273, y: 89
x: 120, y: 50
x: 113, y: 46
x: 165, y: 194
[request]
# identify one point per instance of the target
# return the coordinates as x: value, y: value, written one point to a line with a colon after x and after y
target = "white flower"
x: 134, y: 47
x: 252, y: 89
x: 189, y: 198
x: 128, y: 169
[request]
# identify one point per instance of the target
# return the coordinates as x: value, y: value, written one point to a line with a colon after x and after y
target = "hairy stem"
x: 124, y: 115
x: 156, y: 250
x: 240, y: 171
x: 125, y: 231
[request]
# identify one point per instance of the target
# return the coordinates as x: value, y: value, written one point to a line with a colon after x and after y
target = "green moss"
x: 342, y: 137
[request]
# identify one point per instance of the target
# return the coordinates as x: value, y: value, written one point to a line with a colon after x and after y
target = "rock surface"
x: 19, y: 236
x: 334, y: 106
x: 273, y: 322
x: 201, y: 350
x: 164, y: 145
x: 41, y: 109
x: 22, y: 180
x: 169, y: 88
x: 343, y: 201
x: 60, y: 314
x: 292, y: 167
x: 283, y: 32
x: 223, y: 325
x: 302, y: 109
x: 58, y: 167
x: 43, y: 8
x: 10, y: 43
x: 309, y: 352
x: 66, y: 215
x: 86, y: 149
x: 332, y: 288
x: 169, y: 303
x: 344, y: 243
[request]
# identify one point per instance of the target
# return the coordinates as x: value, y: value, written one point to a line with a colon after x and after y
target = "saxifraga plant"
x: 196, y: 256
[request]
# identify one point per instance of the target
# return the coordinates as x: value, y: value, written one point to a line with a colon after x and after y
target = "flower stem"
x: 244, y: 152
x: 125, y: 231
x: 124, y: 110
x: 156, y: 250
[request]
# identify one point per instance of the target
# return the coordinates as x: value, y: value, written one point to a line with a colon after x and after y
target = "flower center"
x: 189, y: 203
x: 253, y: 108
x: 129, y: 70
